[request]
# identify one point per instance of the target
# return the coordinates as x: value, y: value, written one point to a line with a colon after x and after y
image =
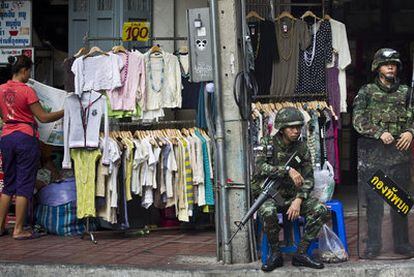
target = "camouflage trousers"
x: 315, y: 214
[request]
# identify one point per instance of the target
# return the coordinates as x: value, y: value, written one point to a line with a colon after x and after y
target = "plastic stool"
x: 338, y: 224
x: 287, y: 231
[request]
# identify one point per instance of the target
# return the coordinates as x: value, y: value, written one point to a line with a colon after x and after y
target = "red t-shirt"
x: 15, y: 101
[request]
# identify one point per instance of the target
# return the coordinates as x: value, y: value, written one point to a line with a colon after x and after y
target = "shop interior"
x: 370, y: 25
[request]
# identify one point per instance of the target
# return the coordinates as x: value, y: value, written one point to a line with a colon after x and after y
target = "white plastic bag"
x: 331, y: 249
x: 324, y: 182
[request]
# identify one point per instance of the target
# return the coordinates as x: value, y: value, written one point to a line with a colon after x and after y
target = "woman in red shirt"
x: 19, y: 144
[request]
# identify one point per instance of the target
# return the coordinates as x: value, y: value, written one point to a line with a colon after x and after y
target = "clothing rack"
x: 320, y: 96
x: 156, y: 124
x: 87, y: 39
x: 273, y: 7
x: 88, y: 232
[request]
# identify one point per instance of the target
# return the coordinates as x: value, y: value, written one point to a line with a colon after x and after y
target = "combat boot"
x: 302, y: 259
x: 273, y: 262
x: 307, y: 261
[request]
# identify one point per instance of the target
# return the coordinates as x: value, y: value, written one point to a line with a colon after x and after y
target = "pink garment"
x: 126, y: 97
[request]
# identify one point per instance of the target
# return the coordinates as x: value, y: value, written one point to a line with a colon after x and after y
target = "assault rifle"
x: 270, y: 190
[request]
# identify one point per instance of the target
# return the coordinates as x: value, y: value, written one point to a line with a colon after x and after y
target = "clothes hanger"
x: 184, y: 132
x: 192, y: 131
x: 327, y: 17
x: 203, y: 132
x: 183, y: 50
x: 82, y: 51
x: 279, y: 106
x: 309, y: 13
x: 254, y: 14
x: 119, y: 48
x: 95, y: 50
x: 285, y: 14
x: 155, y: 49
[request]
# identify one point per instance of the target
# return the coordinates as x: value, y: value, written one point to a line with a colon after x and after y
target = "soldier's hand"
x: 296, y: 177
x: 387, y: 138
x: 405, y: 141
x: 294, y: 210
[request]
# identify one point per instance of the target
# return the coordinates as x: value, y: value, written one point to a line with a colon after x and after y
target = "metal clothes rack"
x: 137, y: 125
x: 272, y: 8
x: 276, y: 5
x: 319, y: 96
x: 156, y: 123
x: 87, y: 38
x: 88, y: 232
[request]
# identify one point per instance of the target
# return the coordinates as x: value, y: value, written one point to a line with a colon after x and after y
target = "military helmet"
x: 385, y: 55
x: 288, y: 117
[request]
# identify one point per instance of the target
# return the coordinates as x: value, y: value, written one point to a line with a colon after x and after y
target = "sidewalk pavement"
x: 164, y: 253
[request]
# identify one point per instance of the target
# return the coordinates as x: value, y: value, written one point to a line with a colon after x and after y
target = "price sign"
x: 135, y: 31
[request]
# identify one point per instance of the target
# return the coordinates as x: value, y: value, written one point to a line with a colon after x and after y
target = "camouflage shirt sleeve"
x: 361, y: 118
x: 264, y: 158
x: 307, y: 174
x: 410, y: 122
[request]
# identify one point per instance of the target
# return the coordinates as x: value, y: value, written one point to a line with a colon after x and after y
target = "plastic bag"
x: 56, y: 194
x: 324, y: 182
x: 331, y: 249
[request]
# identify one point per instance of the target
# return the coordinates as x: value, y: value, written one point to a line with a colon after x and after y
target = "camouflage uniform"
x: 272, y: 160
x: 379, y: 109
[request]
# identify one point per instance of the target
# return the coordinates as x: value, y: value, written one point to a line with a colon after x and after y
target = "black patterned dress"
x: 312, y: 72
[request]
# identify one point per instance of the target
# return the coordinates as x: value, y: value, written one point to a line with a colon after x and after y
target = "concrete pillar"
x: 230, y: 61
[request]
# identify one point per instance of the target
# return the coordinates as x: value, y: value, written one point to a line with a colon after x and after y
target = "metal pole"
x: 253, y: 254
x: 217, y: 206
x: 175, y: 23
x: 221, y: 165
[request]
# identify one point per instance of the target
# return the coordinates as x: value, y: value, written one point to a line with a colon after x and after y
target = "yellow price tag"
x: 135, y: 31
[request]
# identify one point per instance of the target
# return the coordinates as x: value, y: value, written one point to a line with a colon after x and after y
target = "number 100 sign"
x: 135, y: 31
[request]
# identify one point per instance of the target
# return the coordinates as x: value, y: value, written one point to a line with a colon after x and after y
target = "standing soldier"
x: 383, y: 116
x: 297, y: 180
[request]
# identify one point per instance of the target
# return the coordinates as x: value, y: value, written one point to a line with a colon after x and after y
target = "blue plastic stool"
x: 338, y: 224
x: 287, y: 232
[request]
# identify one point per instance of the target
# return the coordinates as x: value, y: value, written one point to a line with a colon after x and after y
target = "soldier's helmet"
x: 384, y: 56
x: 288, y: 116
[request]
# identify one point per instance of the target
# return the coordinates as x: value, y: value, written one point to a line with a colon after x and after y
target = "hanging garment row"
x: 139, y: 85
x: 301, y: 56
x: 320, y: 130
x: 164, y: 168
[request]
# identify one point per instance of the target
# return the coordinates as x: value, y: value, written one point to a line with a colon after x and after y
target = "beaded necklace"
x: 309, y: 54
x: 162, y: 73
x: 124, y: 76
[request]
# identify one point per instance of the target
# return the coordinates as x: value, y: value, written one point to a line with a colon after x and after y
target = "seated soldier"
x: 298, y: 181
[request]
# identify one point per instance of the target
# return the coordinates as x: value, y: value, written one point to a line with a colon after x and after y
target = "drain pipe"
x: 221, y: 165
x: 246, y: 132
x: 209, y: 89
